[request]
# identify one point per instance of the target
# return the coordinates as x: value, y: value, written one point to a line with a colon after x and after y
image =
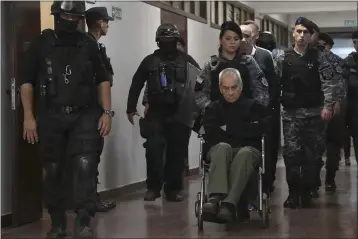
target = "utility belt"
x: 295, y: 101
x: 67, y: 109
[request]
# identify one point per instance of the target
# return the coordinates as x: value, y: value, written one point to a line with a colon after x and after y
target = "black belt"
x: 67, y: 109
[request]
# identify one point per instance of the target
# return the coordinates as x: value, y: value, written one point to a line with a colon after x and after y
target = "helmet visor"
x: 68, y: 6
x: 167, y: 32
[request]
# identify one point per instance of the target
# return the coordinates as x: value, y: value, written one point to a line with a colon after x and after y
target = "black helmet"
x: 266, y: 40
x: 167, y: 30
x: 77, y: 8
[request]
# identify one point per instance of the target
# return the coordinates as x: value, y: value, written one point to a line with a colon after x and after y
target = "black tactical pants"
x: 167, y: 139
x: 352, y: 121
x: 334, y: 142
x: 347, y: 143
x: 74, y: 136
x: 303, y: 147
x: 272, y: 145
x: 101, y: 145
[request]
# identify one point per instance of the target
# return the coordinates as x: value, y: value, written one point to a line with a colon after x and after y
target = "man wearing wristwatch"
x: 97, y: 20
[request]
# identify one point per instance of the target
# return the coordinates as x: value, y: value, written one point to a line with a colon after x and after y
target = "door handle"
x: 13, y: 93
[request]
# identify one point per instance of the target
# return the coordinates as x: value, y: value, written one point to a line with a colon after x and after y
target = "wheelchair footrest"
x: 212, y: 219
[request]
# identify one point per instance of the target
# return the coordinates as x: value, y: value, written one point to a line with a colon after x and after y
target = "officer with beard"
x: 64, y: 73
x: 311, y: 86
x: 351, y: 74
x: 165, y: 73
x: 97, y: 20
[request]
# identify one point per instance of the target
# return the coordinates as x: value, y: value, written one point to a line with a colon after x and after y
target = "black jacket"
x: 143, y: 73
x: 239, y: 124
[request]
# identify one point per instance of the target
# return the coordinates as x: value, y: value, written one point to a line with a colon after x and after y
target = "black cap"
x: 315, y: 27
x: 98, y: 13
x: 306, y: 23
x: 326, y: 38
x: 231, y: 26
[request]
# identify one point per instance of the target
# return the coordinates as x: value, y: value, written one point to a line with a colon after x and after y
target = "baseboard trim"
x: 6, y: 220
x: 134, y: 187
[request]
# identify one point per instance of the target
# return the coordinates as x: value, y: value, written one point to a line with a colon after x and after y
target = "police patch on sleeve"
x: 264, y: 81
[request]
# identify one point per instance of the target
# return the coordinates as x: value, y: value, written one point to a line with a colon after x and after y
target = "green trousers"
x: 230, y: 170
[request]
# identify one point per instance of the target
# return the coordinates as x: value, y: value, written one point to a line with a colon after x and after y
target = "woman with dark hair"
x: 255, y: 84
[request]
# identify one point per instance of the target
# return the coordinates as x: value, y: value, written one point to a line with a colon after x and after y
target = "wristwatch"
x: 109, y: 112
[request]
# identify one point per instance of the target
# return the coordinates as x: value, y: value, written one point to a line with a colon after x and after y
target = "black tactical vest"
x: 66, y: 77
x: 300, y: 81
x: 240, y: 65
x: 169, y: 95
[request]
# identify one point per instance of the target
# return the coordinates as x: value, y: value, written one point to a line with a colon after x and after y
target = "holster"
x: 147, y: 127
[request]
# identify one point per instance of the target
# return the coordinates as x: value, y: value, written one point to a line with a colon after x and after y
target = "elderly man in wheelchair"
x: 233, y: 134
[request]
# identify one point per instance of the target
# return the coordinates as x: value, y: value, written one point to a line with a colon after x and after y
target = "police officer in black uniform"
x: 165, y: 74
x: 97, y: 20
x: 65, y: 78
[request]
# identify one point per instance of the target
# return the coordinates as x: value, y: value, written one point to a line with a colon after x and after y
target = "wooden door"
x: 179, y: 21
x: 20, y: 24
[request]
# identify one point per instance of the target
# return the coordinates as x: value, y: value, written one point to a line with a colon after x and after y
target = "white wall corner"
x: 282, y: 18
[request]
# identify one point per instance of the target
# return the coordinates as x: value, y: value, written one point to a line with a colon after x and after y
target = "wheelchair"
x: 262, y: 203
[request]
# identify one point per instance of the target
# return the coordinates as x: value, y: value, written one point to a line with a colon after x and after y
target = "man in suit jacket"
x: 264, y: 58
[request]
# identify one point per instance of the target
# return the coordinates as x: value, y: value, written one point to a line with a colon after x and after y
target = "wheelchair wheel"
x: 198, y: 210
x: 265, y: 214
x: 200, y: 220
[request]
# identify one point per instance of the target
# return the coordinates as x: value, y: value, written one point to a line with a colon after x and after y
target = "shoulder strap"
x: 48, y: 35
x: 214, y: 62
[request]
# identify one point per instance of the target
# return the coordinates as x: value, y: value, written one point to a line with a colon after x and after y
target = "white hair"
x: 232, y: 72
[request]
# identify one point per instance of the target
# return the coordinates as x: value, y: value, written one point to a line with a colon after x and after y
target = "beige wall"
x: 46, y: 17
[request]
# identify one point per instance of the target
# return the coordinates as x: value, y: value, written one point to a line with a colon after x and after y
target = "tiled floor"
x: 334, y: 216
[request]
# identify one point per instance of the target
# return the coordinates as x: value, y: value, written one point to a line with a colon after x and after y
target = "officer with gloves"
x: 310, y: 87
x: 65, y: 78
x: 165, y: 72
x: 97, y: 22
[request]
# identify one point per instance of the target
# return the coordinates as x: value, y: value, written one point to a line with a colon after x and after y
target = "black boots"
x: 298, y: 199
x: 105, y: 205
x: 82, y: 228
x: 58, y: 227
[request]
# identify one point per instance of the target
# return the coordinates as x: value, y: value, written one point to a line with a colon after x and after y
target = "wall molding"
x: 267, y: 17
x: 134, y: 187
x: 6, y: 220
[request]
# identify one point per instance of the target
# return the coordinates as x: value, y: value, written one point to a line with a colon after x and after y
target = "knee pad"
x: 52, y: 170
x: 86, y: 165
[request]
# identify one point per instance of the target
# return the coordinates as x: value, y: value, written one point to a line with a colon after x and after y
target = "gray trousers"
x: 231, y: 169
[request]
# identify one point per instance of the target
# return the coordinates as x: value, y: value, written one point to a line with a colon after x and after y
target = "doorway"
x: 21, y: 196
x: 179, y: 21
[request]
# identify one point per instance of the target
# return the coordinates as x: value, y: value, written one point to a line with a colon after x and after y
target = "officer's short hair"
x: 251, y: 22
x: 233, y: 72
x: 91, y: 22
